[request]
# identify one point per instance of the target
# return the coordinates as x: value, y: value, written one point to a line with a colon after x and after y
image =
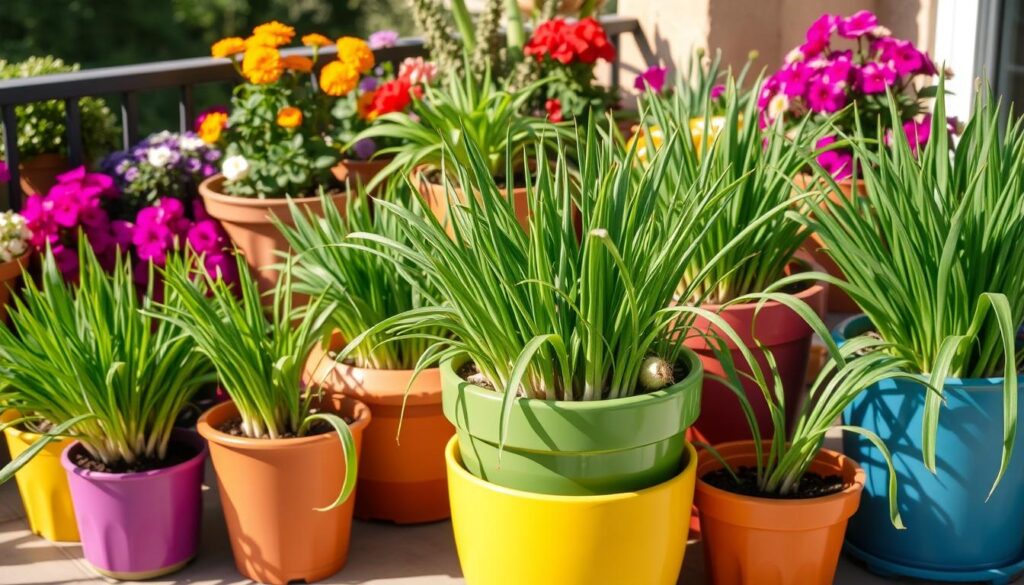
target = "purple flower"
x: 875, y: 78
x: 382, y: 39
x: 67, y: 261
x: 717, y: 91
x: 858, y: 25
x: 819, y: 35
x: 838, y: 163
x: 369, y: 83
x: 653, y: 78
x: 824, y: 97
x: 206, y: 237
x: 364, y: 149
x: 193, y: 165
x: 100, y: 239
x: 131, y: 174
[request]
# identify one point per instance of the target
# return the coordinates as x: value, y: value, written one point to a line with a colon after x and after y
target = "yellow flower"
x: 297, y: 63
x: 316, y: 40
x: 262, y: 65
x: 212, y: 126
x: 337, y: 78
x: 357, y: 52
x: 640, y: 138
x: 227, y: 47
x: 275, y: 32
x: 364, y: 106
x: 289, y: 117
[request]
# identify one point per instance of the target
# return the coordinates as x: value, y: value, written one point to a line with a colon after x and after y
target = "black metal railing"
x: 184, y: 74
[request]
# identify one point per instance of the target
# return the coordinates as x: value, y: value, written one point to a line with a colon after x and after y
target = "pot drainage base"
x: 889, y: 569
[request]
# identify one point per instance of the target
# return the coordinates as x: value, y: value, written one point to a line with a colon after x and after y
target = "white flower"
x: 777, y: 106
x: 17, y: 247
x: 794, y: 56
x: 191, y: 143
x: 880, y: 32
x: 235, y: 168
x: 159, y: 156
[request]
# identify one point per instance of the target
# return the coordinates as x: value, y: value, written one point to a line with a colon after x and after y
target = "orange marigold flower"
x: 289, y: 117
x: 316, y: 40
x: 213, y: 124
x: 364, y: 106
x: 227, y: 47
x: 297, y: 63
x: 262, y: 65
x: 355, y: 51
x: 278, y: 33
x: 338, y: 78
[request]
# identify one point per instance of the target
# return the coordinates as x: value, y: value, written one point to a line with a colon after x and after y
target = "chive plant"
x: 932, y: 252
x: 259, y: 358
x: 759, y: 166
x: 365, y: 287
x: 92, y: 362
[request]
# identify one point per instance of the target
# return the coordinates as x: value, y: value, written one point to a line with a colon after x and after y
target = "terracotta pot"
x: 778, y: 329
x: 39, y: 173
x: 247, y: 222
x: 359, y: 171
x: 402, y: 478
x: 10, y: 272
x: 838, y: 301
x: 436, y: 198
x: 269, y: 489
x: 765, y: 541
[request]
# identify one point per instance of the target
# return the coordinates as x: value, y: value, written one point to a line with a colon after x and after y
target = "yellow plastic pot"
x: 43, y: 485
x: 629, y: 537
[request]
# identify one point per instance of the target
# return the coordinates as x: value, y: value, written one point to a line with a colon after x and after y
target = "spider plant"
x: 365, y: 288
x: 464, y: 112
x: 259, y: 358
x: 91, y: 360
x: 931, y: 253
x: 759, y: 166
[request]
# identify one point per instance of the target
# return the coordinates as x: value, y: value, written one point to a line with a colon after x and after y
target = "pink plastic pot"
x: 139, y: 525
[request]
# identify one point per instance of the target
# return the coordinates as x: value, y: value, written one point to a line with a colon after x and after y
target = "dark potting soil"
x: 233, y: 427
x: 471, y: 373
x: 176, y: 453
x: 812, y: 485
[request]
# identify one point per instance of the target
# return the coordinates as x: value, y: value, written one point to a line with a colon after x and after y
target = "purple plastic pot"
x: 139, y: 525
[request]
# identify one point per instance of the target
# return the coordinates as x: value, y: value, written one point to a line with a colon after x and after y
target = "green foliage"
x: 367, y: 283
x: 93, y: 358
x: 576, y: 90
x: 475, y: 50
x: 931, y: 253
x: 41, y: 125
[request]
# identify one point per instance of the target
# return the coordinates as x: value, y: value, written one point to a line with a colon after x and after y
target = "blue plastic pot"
x: 952, y: 533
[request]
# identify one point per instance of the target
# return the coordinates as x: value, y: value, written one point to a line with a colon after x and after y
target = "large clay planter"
x: 436, y: 197
x: 39, y: 173
x: 247, y: 222
x: 139, y: 525
x: 269, y: 489
x: 402, y: 478
x: 43, y: 485
x: 634, y: 537
x: 764, y: 541
x: 574, y: 448
x: 779, y: 330
x: 359, y: 172
x: 955, y: 531
x: 838, y: 301
x: 10, y: 272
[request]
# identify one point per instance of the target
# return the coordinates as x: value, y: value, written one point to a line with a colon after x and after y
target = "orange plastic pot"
x: 358, y: 171
x: 402, y: 478
x: 10, y: 272
x: 269, y: 489
x: 436, y: 197
x: 838, y: 301
x: 247, y: 221
x: 39, y: 173
x: 779, y: 330
x: 764, y: 541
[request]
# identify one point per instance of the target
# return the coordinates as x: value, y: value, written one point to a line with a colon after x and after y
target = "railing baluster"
x: 74, y: 132
x: 129, y: 119
x: 186, y: 108
x: 10, y: 124
x: 617, y: 62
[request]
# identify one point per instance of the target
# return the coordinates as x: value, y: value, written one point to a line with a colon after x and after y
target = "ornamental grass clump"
x: 932, y: 251
x: 259, y: 358
x: 758, y: 169
x: 93, y: 362
x: 365, y: 286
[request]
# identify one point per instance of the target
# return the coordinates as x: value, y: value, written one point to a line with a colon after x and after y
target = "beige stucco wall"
x: 772, y: 27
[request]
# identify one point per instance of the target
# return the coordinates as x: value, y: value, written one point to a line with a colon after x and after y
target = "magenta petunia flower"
x: 918, y: 133
x: 67, y: 261
x: 795, y: 78
x: 838, y: 163
x: 819, y: 35
x: 717, y: 92
x: 73, y: 176
x: 122, y: 231
x: 206, y: 237
x: 652, y: 78
x: 875, y: 77
x: 65, y: 206
x: 904, y: 58
x: 858, y: 25
x: 93, y: 216
x: 5, y: 173
x: 839, y: 70
x: 824, y: 97
x: 221, y: 266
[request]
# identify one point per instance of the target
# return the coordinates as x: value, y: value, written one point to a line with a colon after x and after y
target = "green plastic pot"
x: 574, y: 448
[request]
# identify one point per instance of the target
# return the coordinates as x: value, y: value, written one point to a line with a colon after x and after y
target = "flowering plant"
x: 821, y: 79
x: 14, y: 235
x: 162, y: 165
x: 276, y: 131
x: 567, y: 52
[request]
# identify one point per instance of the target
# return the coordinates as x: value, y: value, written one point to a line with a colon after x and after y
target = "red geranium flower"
x: 591, y: 42
x: 394, y: 96
x: 554, y: 109
x: 584, y: 41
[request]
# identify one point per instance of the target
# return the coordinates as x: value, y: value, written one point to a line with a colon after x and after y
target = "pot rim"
x: 105, y: 477
x: 209, y: 188
x: 320, y: 370
x: 991, y: 384
x: 27, y: 436
x: 805, y: 176
x: 318, y: 349
x: 420, y: 171
x: 208, y: 432
x: 453, y: 460
x: 816, y: 288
